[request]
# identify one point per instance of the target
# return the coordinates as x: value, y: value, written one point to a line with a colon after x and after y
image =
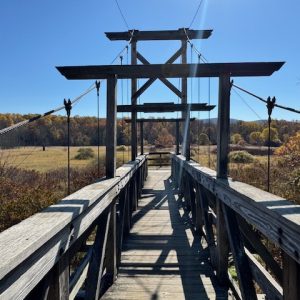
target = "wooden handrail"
x: 247, y: 210
x: 37, y: 245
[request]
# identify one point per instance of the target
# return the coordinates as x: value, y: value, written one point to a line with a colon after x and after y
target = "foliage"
x: 273, y: 136
x: 240, y: 157
x: 24, y: 192
x: 235, y: 138
x: 256, y: 138
x: 84, y: 153
x: 165, y: 139
x: 121, y: 148
x: 203, y: 139
x: 291, y: 149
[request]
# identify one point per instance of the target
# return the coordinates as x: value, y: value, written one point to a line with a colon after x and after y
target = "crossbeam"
x: 159, y: 120
x: 171, y: 70
x: 159, y: 35
x: 164, y: 107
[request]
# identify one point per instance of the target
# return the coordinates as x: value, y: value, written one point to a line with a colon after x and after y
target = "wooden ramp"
x: 162, y: 259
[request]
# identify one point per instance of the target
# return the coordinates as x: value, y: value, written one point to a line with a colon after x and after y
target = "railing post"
x: 111, y: 127
x: 111, y: 252
x: 291, y: 278
x: 222, y: 245
x: 59, y: 286
x: 223, y: 126
x: 96, y: 266
x: 222, y: 170
x: 133, y: 102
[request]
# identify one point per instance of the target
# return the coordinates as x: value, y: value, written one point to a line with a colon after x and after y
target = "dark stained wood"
x: 240, y: 259
x: 133, y: 102
x: 142, y: 137
x: 111, y: 127
x: 171, y: 70
x: 95, y: 269
x: 111, y: 247
x: 266, y: 282
x: 164, y: 107
x: 163, y: 80
x: 255, y: 242
x: 177, y: 137
x: 159, y: 120
x: 158, y: 35
x: 222, y: 245
x: 59, y: 289
x: 276, y: 218
x: 291, y: 278
x: 223, y: 126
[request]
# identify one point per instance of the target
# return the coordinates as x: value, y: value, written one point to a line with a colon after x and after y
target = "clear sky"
x: 36, y: 36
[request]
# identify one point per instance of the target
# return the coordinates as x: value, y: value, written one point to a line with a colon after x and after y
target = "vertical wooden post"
x: 111, y: 127
x: 177, y: 137
x: 239, y: 256
x: 223, y: 126
x: 111, y: 258
x: 185, y: 114
x: 142, y: 137
x: 133, y: 102
x: 291, y: 278
x: 222, y: 169
x: 222, y: 246
x: 95, y: 270
x: 59, y: 286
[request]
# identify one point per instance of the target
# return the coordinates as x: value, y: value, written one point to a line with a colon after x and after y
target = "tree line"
x: 52, y: 131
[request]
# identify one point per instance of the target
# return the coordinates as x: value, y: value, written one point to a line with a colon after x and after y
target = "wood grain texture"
x: 162, y: 258
x: 278, y: 219
x: 35, y: 245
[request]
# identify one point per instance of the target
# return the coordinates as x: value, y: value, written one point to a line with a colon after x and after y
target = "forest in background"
x: 52, y: 131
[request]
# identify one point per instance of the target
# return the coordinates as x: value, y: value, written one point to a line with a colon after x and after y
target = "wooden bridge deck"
x: 162, y: 258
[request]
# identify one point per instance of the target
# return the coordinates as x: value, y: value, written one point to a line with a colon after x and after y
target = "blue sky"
x: 36, y: 36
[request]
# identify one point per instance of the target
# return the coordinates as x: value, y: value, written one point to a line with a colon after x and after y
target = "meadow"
x: 32, y: 179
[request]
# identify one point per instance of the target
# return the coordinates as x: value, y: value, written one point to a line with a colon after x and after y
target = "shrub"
x: 235, y: 138
x: 121, y: 148
x: 84, y: 153
x: 240, y: 157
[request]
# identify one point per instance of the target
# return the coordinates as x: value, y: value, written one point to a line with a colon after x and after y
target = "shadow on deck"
x: 163, y: 258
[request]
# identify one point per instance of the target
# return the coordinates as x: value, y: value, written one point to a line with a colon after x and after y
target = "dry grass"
x: 34, y: 158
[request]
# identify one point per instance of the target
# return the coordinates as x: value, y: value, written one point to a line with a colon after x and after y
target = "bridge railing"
x: 51, y: 254
x: 238, y: 222
x: 159, y: 158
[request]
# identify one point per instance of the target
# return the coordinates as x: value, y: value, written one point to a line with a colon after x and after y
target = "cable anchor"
x: 97, y: 83
x: 68, y: 107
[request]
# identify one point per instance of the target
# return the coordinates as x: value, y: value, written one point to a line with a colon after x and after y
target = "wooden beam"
x: 171, y: 70
x: 133, y: 102
x: 164, y: 107
x: 223, y: 126
x: 159, y: 120
x: 142, y: 137
x: 158, y: 35
x: 111, y: 127
x: 95, y: 270
x: 163, y: 80
x: 177, y: 137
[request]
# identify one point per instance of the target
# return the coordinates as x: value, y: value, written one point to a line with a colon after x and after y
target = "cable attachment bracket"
x: 97, y: 83
x: 270, y: 106
x: 68, y: 108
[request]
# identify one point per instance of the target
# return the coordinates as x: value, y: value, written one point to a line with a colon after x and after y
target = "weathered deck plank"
x: 162, y: 259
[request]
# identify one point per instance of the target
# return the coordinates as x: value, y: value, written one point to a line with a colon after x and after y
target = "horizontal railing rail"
x: 159, y: 158
x: 238, y: 221
x: 38, y: 256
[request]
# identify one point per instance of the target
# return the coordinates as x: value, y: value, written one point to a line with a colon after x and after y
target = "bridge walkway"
x: 163, y: 258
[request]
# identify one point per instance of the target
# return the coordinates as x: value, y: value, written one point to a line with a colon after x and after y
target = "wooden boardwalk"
x: 162, y: 258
